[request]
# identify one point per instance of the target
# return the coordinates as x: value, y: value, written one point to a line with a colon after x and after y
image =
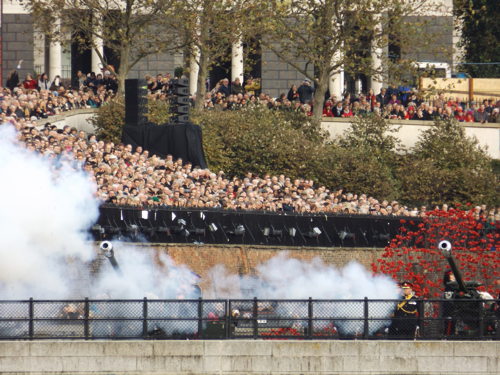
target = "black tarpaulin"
x: 179, y: 140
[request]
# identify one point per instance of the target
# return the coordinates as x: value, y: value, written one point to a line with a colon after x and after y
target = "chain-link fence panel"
x: 268, y: 319
x: 14, y: 319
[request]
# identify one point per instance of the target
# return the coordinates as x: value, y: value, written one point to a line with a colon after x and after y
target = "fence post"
x: 421, y: 319
x: 227, y: 314
x: 200, y: 317
x: 481, y: 320
x: 86, y: 314
x: 365, y: 316
x: 255, y: 310
x: 31, y: 316
x: 310, y: 319
x: 145, y: 317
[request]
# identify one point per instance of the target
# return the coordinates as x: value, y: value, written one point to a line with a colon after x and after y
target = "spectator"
x: 236, y: 87
x: 224, y: 88
x: 293, y: 94
x: 480, y: 115
x: 305, y: 91
x: 382, y: 97
x: 12, y: 80
x: 29, y: 83
x: 43, y: 82
x: 338, y: 111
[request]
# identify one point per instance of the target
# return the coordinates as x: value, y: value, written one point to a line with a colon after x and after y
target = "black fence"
x: 183, y: 225
x: 243, y: 319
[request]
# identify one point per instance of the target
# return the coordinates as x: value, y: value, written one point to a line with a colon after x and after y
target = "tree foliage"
x: 331, y: 36
x: 261, y: 141
x: 210, y: 28
x: 109, y: 120
x: 447, y: 166
x: 479, y: 27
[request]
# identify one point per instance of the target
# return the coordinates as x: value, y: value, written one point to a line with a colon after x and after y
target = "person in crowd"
x: 382, y: 97
x: 293, y: 94
x: 338, y: 110
x: 29, y: 83
x: 12, y: 80
x: 237, y: 87
x: 305, y: 92
x: 480, y: 114
x: 224, y: 88
x: 43, y: 82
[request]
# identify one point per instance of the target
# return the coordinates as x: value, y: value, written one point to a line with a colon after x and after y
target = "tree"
x: 210, y: 28
x: 335, y: 35
x: 446, y: 166
x: 478, y: 23
x: 259, y: 140
x: 131, y: 29
x: 413, y: 254
x: 363, y: 159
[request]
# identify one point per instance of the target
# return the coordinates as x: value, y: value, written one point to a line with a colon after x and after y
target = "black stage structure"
x: 217, y: 226
x: 179, y: 138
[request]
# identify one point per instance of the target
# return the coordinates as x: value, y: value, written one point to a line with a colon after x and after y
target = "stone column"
x: 336, y: 82
x: 96, y: 61
x: 377, y: 54
x: 194, y: 68
x: 55, y: 54
x: 237, y: 61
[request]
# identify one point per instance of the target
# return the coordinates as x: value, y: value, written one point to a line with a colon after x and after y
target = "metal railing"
x: 243, y: 319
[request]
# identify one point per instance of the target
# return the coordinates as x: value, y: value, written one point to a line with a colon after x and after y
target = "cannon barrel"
x: 107, y: 249
x: 445, y: 247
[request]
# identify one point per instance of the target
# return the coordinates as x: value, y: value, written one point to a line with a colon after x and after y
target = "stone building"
x: 20, y: 40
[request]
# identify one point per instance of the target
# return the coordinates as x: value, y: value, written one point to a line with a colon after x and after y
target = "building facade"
x: 21, y: 41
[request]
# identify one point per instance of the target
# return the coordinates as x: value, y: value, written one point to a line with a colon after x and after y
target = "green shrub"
x: 109, y: 120
x: 258, y: 140
x: 158, y: 112
x: 446, y: 166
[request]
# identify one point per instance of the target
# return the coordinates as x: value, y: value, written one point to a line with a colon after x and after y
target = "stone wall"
x: 17, y: 44
x: 250, y: 357
x: 278, y: 76
x: 155, y: 64
x: 243, y: 260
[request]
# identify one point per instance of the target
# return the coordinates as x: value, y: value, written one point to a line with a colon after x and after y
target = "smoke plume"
x: 47, y: 207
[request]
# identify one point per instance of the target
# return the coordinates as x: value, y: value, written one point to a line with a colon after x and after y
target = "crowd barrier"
x: 247, y: 319
x: 202, y: 226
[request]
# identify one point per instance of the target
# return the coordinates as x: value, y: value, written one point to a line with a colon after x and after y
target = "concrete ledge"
x: 408, y: 131
x: 250, y: 357
x: 78, y: 118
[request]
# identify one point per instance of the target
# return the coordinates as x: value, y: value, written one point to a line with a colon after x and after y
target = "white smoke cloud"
x: 283, y: 277
x: 46, y: 208
x: 140, y: 276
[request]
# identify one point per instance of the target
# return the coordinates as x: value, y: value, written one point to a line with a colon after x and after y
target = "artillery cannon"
x: 467, y: 306
x: 107, y: 249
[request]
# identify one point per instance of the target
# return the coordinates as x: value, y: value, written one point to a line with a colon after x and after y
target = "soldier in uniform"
x: 405, y: 319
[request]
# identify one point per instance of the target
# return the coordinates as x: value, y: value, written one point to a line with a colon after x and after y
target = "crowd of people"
x: 40, y: 98
x: 128, y: 177
x: 403, y: 103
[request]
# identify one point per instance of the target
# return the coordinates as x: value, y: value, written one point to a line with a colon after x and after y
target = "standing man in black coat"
x: 406, y: 320
x: 306, y: 92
